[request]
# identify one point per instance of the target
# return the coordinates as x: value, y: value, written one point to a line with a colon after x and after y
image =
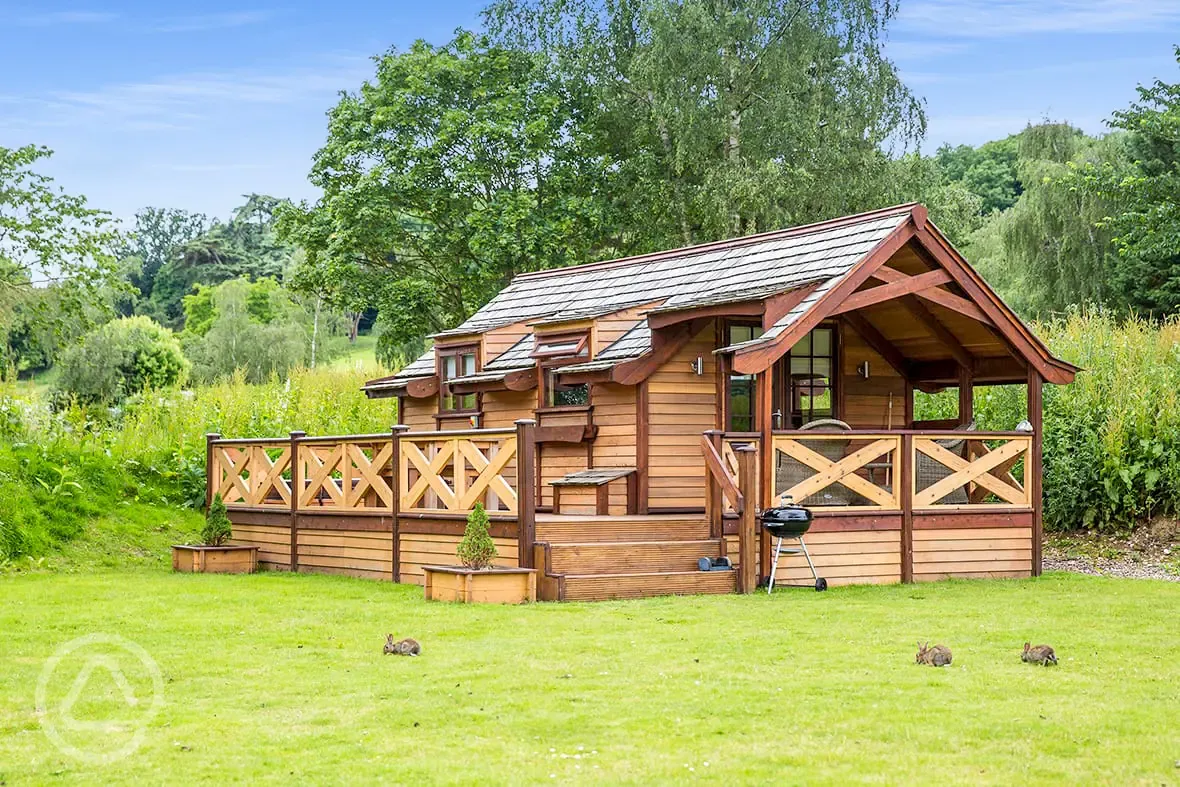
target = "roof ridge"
x: 728, y: 243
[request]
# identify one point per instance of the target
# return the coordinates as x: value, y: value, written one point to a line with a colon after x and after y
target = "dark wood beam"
x: 966, y: 396
x: 665, y: 345
x: 779, y: 306
x: 923, y: 315
x: 659, y: 320
x: 895, y: 289
x: 991, y: 370
x: 877, y: 341
x: 943, y: 298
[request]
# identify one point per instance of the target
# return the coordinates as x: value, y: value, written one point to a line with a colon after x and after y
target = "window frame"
x: 460, y: 351
x: 784, y: 387
x: 728, y: 378
x: 550, y: 362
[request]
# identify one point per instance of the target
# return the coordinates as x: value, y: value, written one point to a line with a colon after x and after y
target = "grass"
x: 280, y: 678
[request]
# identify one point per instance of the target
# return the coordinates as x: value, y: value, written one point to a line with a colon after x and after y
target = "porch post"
x: 748, y: 523
x: 906, y: 487
x: 966, y: 396
x: 395, y: 479
x: 210, y: 438
x: 1036, y: 418
x: 296, y: 493
x: 526, y: 494
x: 766, y: 476
x: 714, y: 500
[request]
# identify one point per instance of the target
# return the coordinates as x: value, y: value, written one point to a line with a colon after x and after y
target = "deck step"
x: 564, y: 529
x: 630, y: 557
x: 602, y: 587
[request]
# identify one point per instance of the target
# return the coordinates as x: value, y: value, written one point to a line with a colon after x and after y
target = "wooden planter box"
x: 215, y: 560
x: 486, y: 586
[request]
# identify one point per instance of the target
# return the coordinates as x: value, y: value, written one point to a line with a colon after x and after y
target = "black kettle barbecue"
x: 789, y: 521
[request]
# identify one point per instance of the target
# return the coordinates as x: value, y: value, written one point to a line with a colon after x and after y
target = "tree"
x: 726, y: 118
x: 239, y: 339
x: 159, y: 235
x: 49, y: 236
x: 121, y: 358
x: 217, y: 529
x: 989, y: 171
x: 456, y: 168
x: 246, y: 245
x: 1144, y: 219
x: 477, y: 550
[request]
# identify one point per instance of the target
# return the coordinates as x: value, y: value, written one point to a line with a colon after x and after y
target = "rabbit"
x: 1038, y: 654
x: 406, y: 647
x: 937, y: 656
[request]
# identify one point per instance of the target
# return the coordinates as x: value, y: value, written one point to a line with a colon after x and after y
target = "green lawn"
x: 281, y: 678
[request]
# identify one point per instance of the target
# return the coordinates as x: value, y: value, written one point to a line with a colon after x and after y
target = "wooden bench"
x: 600, y: 479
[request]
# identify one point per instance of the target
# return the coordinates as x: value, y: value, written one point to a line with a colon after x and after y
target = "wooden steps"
x: 630, y: 557
x: 563, y: 529
x: 602, y: 587
x: 593, y: 558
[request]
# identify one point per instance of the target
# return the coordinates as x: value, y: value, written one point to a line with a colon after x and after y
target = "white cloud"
x: 1007, y: 18
x: 189, y: 100
x: 205, y: 22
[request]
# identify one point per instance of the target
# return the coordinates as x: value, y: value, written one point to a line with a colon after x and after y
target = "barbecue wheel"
x: 821, y: 585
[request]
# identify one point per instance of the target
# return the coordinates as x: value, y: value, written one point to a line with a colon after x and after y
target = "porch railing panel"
x: 982, y: 473
x: 254, y: 473
x: 346, y: 474
x: 849, y: 471
x: 452, y: 471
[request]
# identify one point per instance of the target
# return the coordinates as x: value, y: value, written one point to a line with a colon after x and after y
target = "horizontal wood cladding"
x: 842, y: 558
x: 273, y: 541
x: 972, y: 552
x: 502, y: 409
x: 353, y: 522
x: 602, y: 587
x: 865, y: 404
x: 966, y: 518
x: 419, y: 549
x: 681, y: 406
x: 354, y: 553
x: 418, y: 414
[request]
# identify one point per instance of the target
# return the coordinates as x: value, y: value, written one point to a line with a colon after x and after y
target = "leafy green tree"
x: 49, y: 236
x: 246, y: 245
x: 727, y: 118
x: 455, y: 168
x: 237, y: 339
x: 989, y: 171
x: 121, y: 358
x: 1144, y: 219
x: 159, y: 235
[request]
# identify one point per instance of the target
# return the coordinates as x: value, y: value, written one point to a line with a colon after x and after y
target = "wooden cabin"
x: 621, y: 419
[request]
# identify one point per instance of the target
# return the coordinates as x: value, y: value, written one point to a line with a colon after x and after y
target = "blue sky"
x: 193, y: 105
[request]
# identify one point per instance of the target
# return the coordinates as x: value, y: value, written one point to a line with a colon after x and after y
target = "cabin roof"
x: 831, y: 259
x: 732, y: 270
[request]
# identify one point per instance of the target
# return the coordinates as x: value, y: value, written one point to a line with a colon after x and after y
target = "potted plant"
x: 478, y: 580
x: 214, y: 555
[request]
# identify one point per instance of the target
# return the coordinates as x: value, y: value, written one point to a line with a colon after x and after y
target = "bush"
x: 121, y: 358
x: 477, y: 550
x: 217, y: 528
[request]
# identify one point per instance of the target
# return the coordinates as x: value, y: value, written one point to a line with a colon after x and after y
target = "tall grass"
x: 59, y: 468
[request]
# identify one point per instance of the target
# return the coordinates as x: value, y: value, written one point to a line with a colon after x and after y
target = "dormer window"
x: 455, y: 362
x: 564, y: 345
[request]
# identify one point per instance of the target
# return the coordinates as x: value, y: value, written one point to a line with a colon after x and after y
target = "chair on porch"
x: 929, y: 471
x: 790, y: 471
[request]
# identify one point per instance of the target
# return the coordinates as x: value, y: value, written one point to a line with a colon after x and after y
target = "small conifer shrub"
x: 477, y: 550
x: 217, y: 528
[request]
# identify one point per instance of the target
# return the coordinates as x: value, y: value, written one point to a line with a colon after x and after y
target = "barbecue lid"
x: 787, y: 513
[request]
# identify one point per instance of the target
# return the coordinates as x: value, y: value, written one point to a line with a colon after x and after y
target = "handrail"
x: 721, y: 474
x: 939, y: 434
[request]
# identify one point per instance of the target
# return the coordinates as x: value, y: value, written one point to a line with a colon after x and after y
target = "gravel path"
x: 1111, y: 568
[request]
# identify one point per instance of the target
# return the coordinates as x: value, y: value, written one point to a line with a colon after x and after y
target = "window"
x: 454, y: 363
x: 809, y: 380
x: 565, y: 345
x: 558, y: 394
x: 741, y: 395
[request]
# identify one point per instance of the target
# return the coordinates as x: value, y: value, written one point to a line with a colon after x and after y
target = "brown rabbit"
x: 1038, y: 654
x: 407, y: 647
x: 937, y: 656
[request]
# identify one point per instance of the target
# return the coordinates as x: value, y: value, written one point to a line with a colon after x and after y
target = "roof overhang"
x: 495, y: 380
x: 388, y: 387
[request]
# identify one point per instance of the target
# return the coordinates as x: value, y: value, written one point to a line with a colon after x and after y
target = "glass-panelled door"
x: 805, y: 380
